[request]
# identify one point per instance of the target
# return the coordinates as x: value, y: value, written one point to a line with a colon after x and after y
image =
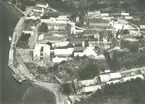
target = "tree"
x: 43, y: 27
x: 13, y: 1
x: 125, y: 32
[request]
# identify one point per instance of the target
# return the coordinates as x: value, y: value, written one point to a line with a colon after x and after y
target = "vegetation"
x: 80, y: 68
x: 23, y: 41
x: 125, y: 59
x: 43, y: 28
x: 133, y: 89
x: 14, y: 1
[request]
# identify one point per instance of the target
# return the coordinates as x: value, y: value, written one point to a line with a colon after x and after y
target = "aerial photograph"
x: 72, y: 52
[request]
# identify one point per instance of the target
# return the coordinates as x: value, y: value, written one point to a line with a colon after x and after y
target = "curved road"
x: 21, y: 68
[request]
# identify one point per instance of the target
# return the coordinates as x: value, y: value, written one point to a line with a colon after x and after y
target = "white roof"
x: 113, y: 82
x: 37, y: 49
x: 91, y: 88
x: 101, y: 56
x: 41, y: 37
x: 133, y: 77
x: 87, y: 82
x: 125, y: 14
x: 105, y: 77
x: 115, y: 75
x: 132, y: 40
x: 58, y: 59
x: 63, y: 51
x: 107, y: 71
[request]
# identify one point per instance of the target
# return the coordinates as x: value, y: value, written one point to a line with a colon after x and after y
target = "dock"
x: 19, y: 78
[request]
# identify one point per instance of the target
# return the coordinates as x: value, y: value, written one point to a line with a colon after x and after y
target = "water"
x: 11, y: 91
x: 41, y: 96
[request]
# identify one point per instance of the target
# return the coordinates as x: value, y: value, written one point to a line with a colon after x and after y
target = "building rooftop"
x: 90, y: 31
x: 95, y: 20
x: 77, y: 39
x: 37, y: 8
x: 105, y: 77
x: 48, y: 14
x: 58, y: 32
x: 115, y: 75
x: 53, y: 38
x: 79, y: 49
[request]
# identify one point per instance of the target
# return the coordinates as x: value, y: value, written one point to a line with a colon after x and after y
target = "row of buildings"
x: 42, y: 51
x: 107, y: 78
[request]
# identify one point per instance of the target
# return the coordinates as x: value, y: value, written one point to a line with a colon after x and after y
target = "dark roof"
x: 95, y: 20
x: 38, y: 8
x: 48, y: 14
x: 77, y: 40
x: 79, y: 49
x: 90, y: 31
x: 53, y: 38
x: 136, y: 14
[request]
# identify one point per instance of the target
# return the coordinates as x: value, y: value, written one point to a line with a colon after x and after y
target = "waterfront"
x: 36, y: 95
x: 13, y: 92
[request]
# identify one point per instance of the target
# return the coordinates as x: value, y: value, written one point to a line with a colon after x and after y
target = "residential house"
x: 136, y: 18
x: 41, y: 52
x: 89, y: 33
x: 79, y: 51
x: 61, y: 44
x: 113, y: 82
x: 28, y: 30
x: 128, y: 17
x: 88, y: 82
x: 90, y: 52
x: 116, y: 75
x: 104, y: 78
x: 104, y: 14
x: 36, y: 14
x: 52, y: 38
x: 53, y: 20
x: 98, y: 22
x: 42, y: 5
x: 142, y: 70
x: 59, y: 59
x: 94, y: 14
x: 101, y: 56
x: 125, y: 14
x: 133, y: 77
x: 50, y: 14
x: 90, y: 88
x: 63, y: 52
x: 77, y: 42
x: 38, y: 10
x: 57, y: 27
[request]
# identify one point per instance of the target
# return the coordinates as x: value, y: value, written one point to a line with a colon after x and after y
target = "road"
x: 21, y: 68
x: 55, y: 88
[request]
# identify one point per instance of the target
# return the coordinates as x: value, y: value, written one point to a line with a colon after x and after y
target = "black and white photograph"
x: 72, y: 52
